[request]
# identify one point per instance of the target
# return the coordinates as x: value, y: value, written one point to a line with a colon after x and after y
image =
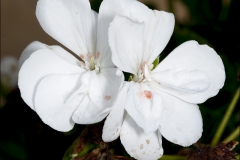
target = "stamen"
x: 90, y: 55
x: 98, y: 54
x: 82, y: 56
x: 148, y: 94
x: 82, y: 64
x: 144, y: 72
x: 89, y: 62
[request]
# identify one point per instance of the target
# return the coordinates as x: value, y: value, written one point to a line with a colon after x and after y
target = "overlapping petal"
x: 131, y: 9
x: 181, y: 122
x: 88, y: 112
x: 40, y: 64
x: 144, y: 106
x: 190, y: 81
x: 32, y: 47
x: 103, y: 87
x: 72, y: 23
x: 158, y: 28
x: 126, y: 41
x: 113, y: 123
x: 157, y: 35
x: 195, y: 73
x: 138, y: 144
x: 107, y: 11
x: 56, y: 100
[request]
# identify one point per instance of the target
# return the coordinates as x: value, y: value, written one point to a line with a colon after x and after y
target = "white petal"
x: 64, y: 54
x: 181, y: 122
x: 72, y: 23
x: 32, y: 47
x: 87, y: 112
x: 144, y: 106
x: 159, y: 25
x: 105, y: 58
x: 184, y: 80
x: 157, y: 34
x: 113, y: 123
x: 107, y: 11
x: 196, y: 60
x: 127, y: 8
x: 138, y: 144
x: 126, y: 39
x: 103, y: 87
x: 56, y: 100
x: 41, y: 63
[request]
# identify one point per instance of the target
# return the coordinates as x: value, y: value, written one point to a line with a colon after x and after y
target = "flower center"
x: 90, y: 63
x: 144, y: 73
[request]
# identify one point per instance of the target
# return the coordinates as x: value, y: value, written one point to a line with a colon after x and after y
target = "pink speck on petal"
x: 107, y: 97
x: 148, y: 94
x: 90, y: 55
x: 98, y: 54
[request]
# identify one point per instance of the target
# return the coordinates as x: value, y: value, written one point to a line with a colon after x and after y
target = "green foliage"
x: 13, y: 149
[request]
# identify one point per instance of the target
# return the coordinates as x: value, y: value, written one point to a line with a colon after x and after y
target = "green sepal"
x: 130, y: 78
x: 155, y: 63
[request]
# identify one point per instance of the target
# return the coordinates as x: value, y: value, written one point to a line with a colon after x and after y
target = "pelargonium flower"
x: 55, y: 84
x: 9, y: 72
x: 159, y: 101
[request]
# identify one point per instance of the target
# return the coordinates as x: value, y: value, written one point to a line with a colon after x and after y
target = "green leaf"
x: 13, y: 150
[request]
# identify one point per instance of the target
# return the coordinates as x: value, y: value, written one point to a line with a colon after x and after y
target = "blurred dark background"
x: 23, y: 136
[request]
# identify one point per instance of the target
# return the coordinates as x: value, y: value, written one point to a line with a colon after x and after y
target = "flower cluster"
x: 158, y: 101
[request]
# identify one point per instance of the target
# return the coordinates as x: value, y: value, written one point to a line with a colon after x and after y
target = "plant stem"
x: 173, y: 157
x: 238, y: 157
x: 86, y: 149
x: 225, y: 119
x: 233, y: 135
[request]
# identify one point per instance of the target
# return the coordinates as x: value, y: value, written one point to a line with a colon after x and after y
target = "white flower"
x: 161, y: 101
x: 9, y: 72
x: 60, y: 88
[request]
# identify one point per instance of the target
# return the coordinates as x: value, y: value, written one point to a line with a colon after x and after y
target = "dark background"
x: 23, y: 135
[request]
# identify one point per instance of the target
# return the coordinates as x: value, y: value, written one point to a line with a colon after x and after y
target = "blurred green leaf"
x: 182, y: 35
x: 13, y: 150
